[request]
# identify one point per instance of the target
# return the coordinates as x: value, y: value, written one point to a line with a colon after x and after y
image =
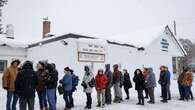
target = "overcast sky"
x: 98, y: 17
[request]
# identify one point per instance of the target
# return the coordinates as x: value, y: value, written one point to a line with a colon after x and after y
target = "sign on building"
x: 88, y: 52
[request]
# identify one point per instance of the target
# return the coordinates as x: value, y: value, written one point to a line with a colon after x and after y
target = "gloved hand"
x: 6, y: 88
x: 120, y: 85
x: 84, y: 85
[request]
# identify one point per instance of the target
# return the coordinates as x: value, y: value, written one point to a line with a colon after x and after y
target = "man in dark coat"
x: 127, y: 83
x: 164, y: 81
x: 41, y: 86
x: 108, y: 95
x: 139, y: 85
x: 25, y: 85
x: 51, y: 85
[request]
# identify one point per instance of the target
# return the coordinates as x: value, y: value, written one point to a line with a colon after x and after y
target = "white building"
x: 76, y: 51
x: 9, y: 50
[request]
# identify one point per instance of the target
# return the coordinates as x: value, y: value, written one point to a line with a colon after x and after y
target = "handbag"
x: 60, y: 90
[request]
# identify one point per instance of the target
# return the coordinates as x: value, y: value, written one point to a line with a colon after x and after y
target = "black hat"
x: 67, y: 69
x: 42, y: 64
x: 16, y: 60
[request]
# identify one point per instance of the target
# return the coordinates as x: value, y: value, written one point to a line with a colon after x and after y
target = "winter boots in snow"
x: 100, y: 105
x: 141, y: 101
x: 117, y: 100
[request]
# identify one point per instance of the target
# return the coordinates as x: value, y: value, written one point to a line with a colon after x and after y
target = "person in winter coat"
x: 75, y: 81
x: 187, y: 82
x: 67, y: 86
x: 25, y: 85
x: 117, y: 83
x: 51, y: 85
x: 56, y: 71
x: 41, y: 87
x: 180, y: 84
x: 139, y: 85
x: 8, y: 78
x: 88, y: 83
x: 169, y: 83
x: 108, y: 95
x: 164, y: 81
x: 145, y: 73
x: 127, y: 83
x: 100, y: 85
x: 151, y: 84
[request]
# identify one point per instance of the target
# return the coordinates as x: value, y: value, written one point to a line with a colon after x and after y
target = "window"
x: 3, y: 65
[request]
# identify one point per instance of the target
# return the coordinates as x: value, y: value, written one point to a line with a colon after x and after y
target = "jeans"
x: 164, y: 92
x: 71, y: 99
x: 151, y: 93
x: 67, y: 98
x: 12, y: 99
x: 186, y: 92
x: 127, y: 92
x: 108, y: 95
x: 51, y: 93
x: 23, y: 102
x: 181, y: 91
x: 140, y: 96
x: 168, y: 92
x: 117, y: 90
x: 101, y: 96
x: 42, y: 99
x: 89, y: 99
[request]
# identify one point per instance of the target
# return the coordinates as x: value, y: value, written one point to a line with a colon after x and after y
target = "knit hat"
x: 15, y: 60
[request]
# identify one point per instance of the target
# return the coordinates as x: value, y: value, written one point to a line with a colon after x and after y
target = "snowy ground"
x: 80, y: 98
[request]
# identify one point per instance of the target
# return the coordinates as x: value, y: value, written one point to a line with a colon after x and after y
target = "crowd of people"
x: 23, y: 82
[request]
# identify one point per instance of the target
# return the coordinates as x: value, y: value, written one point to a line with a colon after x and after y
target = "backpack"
x: 75, y: 82
x: 92, y: 83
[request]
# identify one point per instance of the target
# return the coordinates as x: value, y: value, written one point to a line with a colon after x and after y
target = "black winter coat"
x: 26, y: 82
x: 127, y: 81
x: 52, y: 79
x: 139, y: 81
x: 163, y: 79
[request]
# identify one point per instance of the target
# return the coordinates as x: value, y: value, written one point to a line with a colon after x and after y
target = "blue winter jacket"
x: 67, y: 82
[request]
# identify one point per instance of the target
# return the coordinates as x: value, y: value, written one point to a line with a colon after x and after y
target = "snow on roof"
x: 93, y: 41
x: 12, y: 42
x: 139, y: 37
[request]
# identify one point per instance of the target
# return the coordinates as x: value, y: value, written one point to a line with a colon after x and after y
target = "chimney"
x: 46, y: 27
x: 175, y: 29
x: 10, y: 31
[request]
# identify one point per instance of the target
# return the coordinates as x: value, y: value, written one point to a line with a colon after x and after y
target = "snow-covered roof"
x: 141, y: 37
x: 12, y: 42
x: 93, y: 41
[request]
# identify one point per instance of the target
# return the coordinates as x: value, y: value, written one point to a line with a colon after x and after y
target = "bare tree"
x: 190, y: 49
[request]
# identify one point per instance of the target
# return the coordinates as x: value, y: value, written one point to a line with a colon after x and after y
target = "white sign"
x: 89, y: 57
x: 91, y: 48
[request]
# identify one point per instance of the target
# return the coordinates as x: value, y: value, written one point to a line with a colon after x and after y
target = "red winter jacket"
x: 101, y: 81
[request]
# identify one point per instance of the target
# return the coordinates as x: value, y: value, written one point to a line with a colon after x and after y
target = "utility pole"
x: 2, y: 3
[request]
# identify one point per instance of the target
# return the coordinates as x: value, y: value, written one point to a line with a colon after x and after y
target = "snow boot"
x: 127, y: 98
x: 116, y: 100
x: 87, y: 107
x: 99, y: 104
x: 139, y: 103
x: 164, y: 101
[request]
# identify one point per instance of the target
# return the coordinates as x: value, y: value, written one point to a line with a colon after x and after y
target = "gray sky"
x: 98, y: 18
